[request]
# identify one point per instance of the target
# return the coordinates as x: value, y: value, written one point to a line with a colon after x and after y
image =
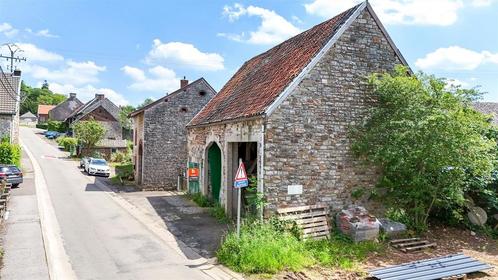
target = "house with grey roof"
x: 28, y: 119
x: 488, y: 108
x: 104, y: 111
x: 10, y: 85
x: 62, y: 111
x: 286, y: 114
x: 159, y: 134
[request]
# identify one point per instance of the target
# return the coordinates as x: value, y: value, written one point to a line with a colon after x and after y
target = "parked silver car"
x: 83, y: 161
x: 11, y: 173
x: 97, y: 166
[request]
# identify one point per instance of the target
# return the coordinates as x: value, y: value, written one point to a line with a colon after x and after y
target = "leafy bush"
x: 42, y: 126
x: 125, y: 172
x: 200, y: 199
x: 218, y: 212
x: 89, y: 133
x: 68, y: 143
x: 10, y: 153
x: 118, y: 157
x: 427, y: 140
x: 263, y: 249
x: 56, y: 126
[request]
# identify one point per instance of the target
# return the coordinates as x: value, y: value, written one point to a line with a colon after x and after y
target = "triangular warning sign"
x: 241, y: 173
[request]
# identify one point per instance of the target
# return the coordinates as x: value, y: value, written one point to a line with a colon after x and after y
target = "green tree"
x: 123, y: 116
x: 88, y: 133
x: 32, y: 97
x: 427, y: 141
x: 146, y: 102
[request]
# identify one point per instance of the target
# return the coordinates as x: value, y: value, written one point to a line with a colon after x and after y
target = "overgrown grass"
x: 218, y: 212
x: 266, y: 248
x: 200, y: 200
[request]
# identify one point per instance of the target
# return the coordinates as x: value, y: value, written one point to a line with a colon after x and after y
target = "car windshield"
x: 99, y: 162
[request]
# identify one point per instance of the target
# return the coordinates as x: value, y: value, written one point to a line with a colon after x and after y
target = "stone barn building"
x: 106, y: 113
x: 286, y: 113
x: 28, y: 119
x: 159, y: 134
x: 62, y: 111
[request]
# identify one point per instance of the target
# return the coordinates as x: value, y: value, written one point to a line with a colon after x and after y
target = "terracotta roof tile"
x: 43, y: 109
x: 261, y: 79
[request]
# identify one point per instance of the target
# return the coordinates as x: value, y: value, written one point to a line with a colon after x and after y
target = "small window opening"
x: 183, y: 109
x: 202, y: 93
x: 165, y: 99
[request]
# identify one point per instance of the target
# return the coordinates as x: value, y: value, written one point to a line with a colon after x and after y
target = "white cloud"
x: 455, y: 58
x: 418, y: 12
x: 34, y: 53
x: 42, y: 33
x: 87, y: 92
x: 77, y: 73
x: 8, y: 30
x: 159, y: 79
x: 183, y: 55
x: 273, y: 28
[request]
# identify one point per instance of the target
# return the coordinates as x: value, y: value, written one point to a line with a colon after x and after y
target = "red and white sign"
x: 241, y: 177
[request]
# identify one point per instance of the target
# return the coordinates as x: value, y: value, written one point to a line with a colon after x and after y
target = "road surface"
x: 101, y: 239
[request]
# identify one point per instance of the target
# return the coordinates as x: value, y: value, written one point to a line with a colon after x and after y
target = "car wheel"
x: 15, y: 185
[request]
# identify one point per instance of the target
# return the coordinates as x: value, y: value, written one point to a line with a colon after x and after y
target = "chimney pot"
x: 72, y: 95
x: 17, y: 73
x: 183, y: 82
x: 99, y: 96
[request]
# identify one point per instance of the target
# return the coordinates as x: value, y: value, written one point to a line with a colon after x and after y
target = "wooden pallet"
x: 411, y: 244
x: 312, y: 220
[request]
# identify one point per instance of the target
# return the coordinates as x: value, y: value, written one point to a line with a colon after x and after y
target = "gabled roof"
x: 488, y: 108
x: 66, y: 108
x: 265, y: 80
x: 9, y: 92
x: 180, y: 90
x: 28, y: 115
x: 90, y: 106
x: 44, y: 109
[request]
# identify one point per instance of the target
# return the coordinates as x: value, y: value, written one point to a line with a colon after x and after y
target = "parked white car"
x: 97, y: 166
x: 84, y: 162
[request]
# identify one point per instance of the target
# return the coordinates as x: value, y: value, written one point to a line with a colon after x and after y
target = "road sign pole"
x: 238, y: 206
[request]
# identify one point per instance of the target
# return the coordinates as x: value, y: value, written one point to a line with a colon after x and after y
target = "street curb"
x: 213, y: 270
x: 59, y: 265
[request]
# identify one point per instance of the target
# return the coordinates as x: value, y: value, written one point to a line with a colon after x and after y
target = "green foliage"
x: 254, y: 200
x: 69, y: 143
x: 218, y: 212
x: 125, y: 171
x: 428, y: 141
x: 340, y: 251
x: 121, y: 157
x: 10, y: 153
x: 42, y: 126
x: 35, y: 96
x: 124, y: 111
x: 263, y: 249
x: 89, y: 133
x: 56, y: 126
x: 146, y: 102
x: 200, y: 199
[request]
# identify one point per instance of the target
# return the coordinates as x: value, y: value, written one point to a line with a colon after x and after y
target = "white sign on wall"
x: 294, y: 189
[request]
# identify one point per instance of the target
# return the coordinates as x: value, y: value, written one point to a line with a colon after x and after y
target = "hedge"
x: 42, y: 125
x: 10, y: 153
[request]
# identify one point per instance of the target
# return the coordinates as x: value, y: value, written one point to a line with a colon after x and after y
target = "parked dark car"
x: 11, y: 173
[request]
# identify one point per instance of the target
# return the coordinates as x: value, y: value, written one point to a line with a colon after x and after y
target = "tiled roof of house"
x: 44, y: 109
x: 258, y: 83
x: 489, y: 108
x: 136, y: 112
x: 9, y: 92
x: 93, y: 104
x: 66, y: 108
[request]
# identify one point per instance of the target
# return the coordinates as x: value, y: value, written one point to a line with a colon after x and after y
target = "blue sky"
x: 132, y: 50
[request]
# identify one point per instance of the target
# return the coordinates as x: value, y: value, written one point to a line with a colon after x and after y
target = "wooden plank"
x: 300, y: 208
x: 304, y: 215
x: 403, y: 240
x: 415, y: 248
x: 410, y: 244
x: 311, y: 220
x: 316, y: 229
x: 319, y: 224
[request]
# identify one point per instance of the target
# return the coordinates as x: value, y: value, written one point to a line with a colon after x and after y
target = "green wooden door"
x: 214, y: 159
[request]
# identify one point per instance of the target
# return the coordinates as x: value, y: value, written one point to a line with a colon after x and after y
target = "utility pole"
x: 13, y: 48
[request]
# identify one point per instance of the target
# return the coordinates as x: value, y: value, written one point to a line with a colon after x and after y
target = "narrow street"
x: 100, y: 238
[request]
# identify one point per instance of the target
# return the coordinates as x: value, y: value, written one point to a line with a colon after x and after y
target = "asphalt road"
x: 101, y: 239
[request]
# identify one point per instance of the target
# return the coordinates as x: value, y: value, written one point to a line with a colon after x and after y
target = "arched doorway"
x: 140, y: 162
x: 214, y: 171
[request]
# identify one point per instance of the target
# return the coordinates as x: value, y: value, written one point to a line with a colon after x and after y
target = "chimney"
x: 17, y: 73
x: 72, y: 95
x: 183, y: 82
x: 99, y: 96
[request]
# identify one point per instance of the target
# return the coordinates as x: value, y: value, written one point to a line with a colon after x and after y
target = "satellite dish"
x: 477, y: 216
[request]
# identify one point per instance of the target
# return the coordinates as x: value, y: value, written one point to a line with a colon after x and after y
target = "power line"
x: 13, y: 48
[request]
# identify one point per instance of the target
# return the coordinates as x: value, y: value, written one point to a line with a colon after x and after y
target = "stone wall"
x: 138, y: 136
x: 5, y: 126
x: 113, y: 130
x: 307, y: 139
x: 165, y: 139
x: 200, y: 139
